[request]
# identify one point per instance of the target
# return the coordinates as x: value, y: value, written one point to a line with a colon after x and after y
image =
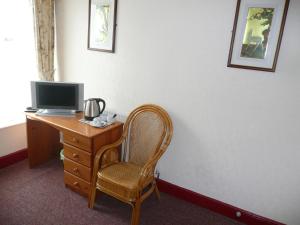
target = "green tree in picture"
x: 266, y: 15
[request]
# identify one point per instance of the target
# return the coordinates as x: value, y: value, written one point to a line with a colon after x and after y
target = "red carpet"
x: 39, y: 197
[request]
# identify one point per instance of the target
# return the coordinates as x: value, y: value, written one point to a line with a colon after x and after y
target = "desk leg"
x: 43, y: 142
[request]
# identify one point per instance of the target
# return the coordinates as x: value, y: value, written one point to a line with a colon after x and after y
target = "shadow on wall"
x: 185, y: 163
x: 12, y: 139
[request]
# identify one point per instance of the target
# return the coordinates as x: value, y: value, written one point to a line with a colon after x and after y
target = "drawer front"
x: 78, y: 141
x: 77, y: 183
x: 77, y: 155
x: 77, y: 169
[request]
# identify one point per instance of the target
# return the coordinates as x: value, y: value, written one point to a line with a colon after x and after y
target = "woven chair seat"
x: 129, y: 174
x: 121, y: 179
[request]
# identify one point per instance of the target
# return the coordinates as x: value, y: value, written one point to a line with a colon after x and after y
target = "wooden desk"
x: 80, y: 143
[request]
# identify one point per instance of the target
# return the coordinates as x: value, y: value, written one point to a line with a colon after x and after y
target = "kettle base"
x: 89, y: 118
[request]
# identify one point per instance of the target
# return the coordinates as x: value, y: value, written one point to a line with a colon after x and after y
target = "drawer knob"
x: 75, y: 155
x: 75, y: 170
x: 76, y: 184
x: 74, y: 139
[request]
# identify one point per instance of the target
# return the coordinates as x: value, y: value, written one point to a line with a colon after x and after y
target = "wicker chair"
x: 146, y: 135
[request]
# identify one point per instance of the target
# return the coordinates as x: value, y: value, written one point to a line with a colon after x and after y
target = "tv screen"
x: 57, y: 95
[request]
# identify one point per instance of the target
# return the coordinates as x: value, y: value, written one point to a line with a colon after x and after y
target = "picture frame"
x: 257, y: 32
x: 102, y: 25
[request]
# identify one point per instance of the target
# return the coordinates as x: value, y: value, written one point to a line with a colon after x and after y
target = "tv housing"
x: 57, y: 98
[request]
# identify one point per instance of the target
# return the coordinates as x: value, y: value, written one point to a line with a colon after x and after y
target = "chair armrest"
x: 147, y: 170
x: 150, y: 166
x: 99, y: 155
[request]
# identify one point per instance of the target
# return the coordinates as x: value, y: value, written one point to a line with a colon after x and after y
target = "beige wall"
x: 12, y: 139
x: 237, y: 132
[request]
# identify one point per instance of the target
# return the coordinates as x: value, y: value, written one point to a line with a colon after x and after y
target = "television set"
x: 57, y: 98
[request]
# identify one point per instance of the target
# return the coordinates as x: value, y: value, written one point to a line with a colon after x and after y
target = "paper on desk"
x: 105, y: 119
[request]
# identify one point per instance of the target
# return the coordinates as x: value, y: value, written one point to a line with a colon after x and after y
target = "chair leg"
x: 92, y: 198
x: 135, y: 219
x: 157, y: 192
x: 133, y: 215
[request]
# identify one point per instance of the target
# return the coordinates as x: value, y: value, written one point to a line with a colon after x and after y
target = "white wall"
x: 237, y: 132
x: 12, y: 138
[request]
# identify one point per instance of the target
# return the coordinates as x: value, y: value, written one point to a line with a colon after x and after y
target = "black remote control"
x: 30, y: 109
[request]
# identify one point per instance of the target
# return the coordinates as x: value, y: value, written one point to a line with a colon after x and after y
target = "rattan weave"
x: 146, y: 135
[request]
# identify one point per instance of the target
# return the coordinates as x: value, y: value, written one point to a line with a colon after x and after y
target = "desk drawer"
x: 77, y: 169
x: 78, y: 141
x: 77, y: 183
x: 77, y: 155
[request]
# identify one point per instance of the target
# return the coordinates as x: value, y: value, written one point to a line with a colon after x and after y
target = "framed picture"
x: 257, y: 33
x: 102, y: 25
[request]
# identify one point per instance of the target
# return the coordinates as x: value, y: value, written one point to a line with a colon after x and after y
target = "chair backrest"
x: 148, y: 131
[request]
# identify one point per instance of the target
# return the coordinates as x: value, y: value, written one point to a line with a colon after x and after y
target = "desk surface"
x: 72, y: 124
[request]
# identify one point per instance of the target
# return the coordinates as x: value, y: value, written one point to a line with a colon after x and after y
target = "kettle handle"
x: 103, y: 102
